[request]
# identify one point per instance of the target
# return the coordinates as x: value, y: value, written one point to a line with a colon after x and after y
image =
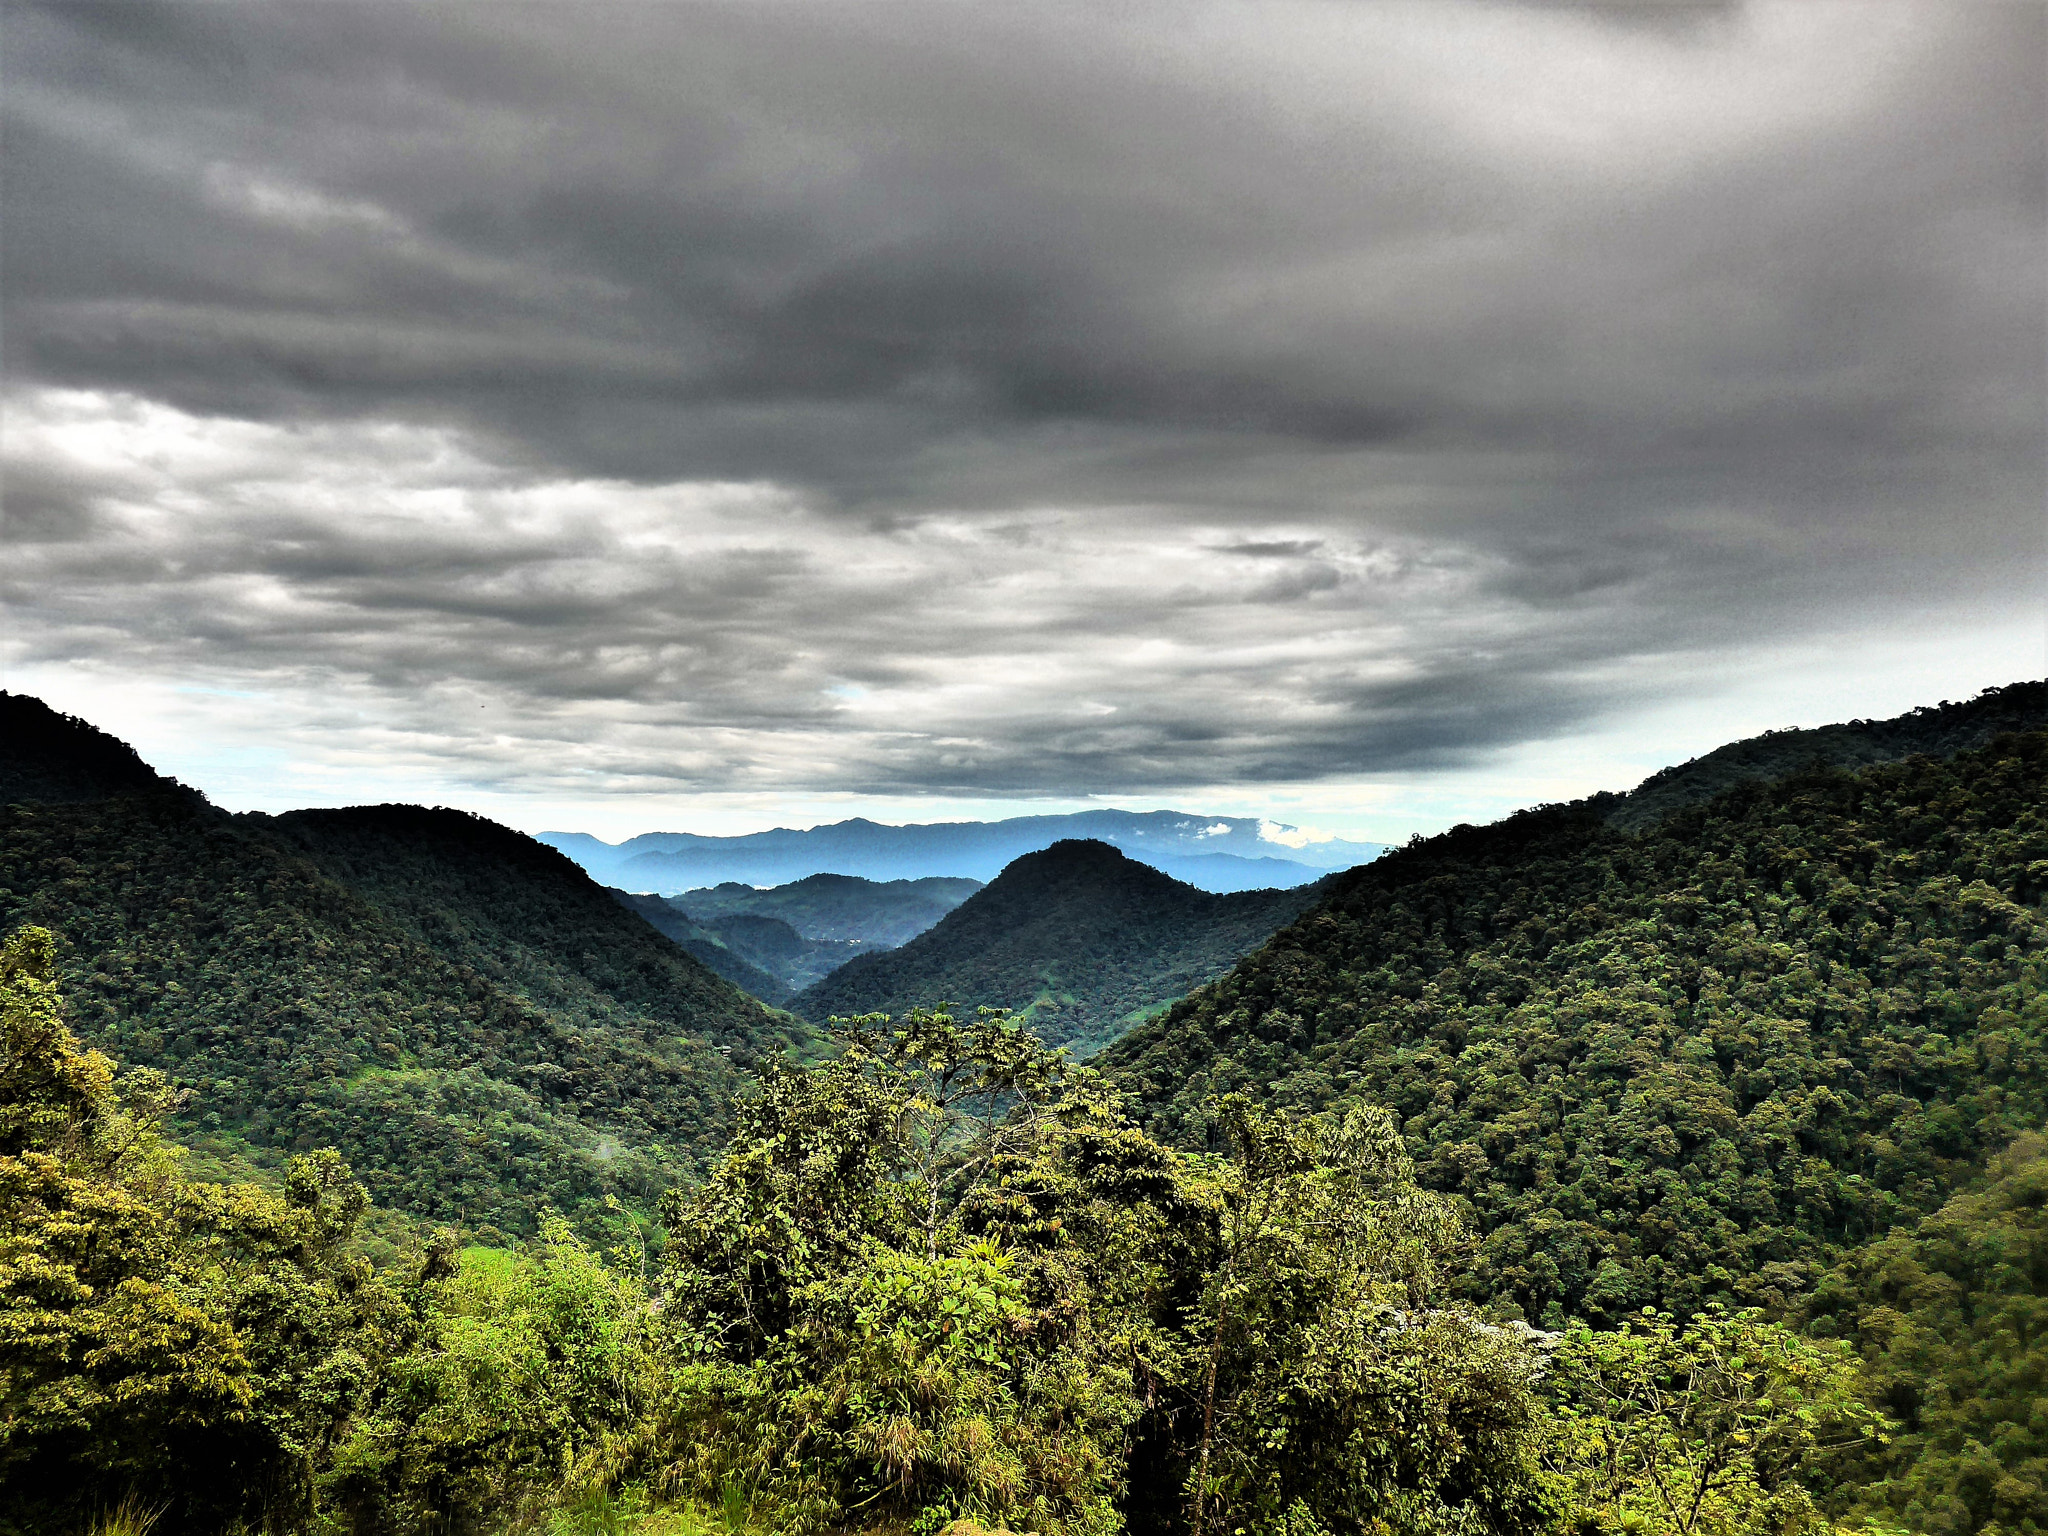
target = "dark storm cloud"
x: 1310, y: 389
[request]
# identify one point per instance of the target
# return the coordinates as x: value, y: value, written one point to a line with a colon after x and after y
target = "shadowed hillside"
x: 1937, y: 730
x: 681, y: 929
x: 54, y: 759
x: 838, y: 908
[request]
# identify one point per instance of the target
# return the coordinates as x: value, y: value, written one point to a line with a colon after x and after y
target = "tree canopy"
x: 1663, y: 1070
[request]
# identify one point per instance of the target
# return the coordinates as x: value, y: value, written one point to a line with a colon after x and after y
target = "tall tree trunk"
x: 1209, y: 1397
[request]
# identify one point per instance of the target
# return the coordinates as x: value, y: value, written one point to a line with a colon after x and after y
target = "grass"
x: 130, y: 1517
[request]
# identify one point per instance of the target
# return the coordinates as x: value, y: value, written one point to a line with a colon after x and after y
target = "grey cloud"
x: 1629, y: 327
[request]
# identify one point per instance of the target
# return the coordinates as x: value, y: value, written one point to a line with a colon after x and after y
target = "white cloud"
x: 1292, y: 837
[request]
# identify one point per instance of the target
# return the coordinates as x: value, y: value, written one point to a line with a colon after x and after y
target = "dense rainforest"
x: 1077, y: 938
x: 938, y: 1282
x: 1950, y: 1317
x: 1580, y: 1175
x: 477, y: 1027
x: 1670, y: 1068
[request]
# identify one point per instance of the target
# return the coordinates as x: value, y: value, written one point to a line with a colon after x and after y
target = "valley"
x: 1760, y: 1047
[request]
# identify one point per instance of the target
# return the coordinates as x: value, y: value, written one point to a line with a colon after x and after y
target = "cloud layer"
x: 997, y: 401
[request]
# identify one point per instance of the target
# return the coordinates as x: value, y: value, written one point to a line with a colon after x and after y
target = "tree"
x: 1709, y: 1429
x: 1340, y: 1391
x: 200, y: 1345
x: 945, y: 1276
x: 530, y: 1378
x: 862, y: 1293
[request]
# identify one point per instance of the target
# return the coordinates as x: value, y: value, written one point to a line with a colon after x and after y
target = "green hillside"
x: 1078, y: 937
x: 1951, y: 1319
x: 1665, y: 1069
x: 476, y: 1026
x: 511, y: 908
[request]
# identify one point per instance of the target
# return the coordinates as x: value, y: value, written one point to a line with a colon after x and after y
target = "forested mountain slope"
x: 1668, y: 1068
x: 1951, y: 1318
x: 1937, y: 730
x: 1078, y: 936
x: 479, y: 1029
x: 512, y: 909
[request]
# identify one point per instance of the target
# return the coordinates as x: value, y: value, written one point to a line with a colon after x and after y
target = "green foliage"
x: 200, y: 1346
x: 944, y: 1277
x: 130, y: 1517
x: 223, y: 1355
x: 939, y: 1282
x: 1951, y: 1320
x: 1692, y: 1065
x: 527, y: 1380
x: 1339, y: 1392
x: 475, y: 1025
x: 1076, y: 939
x: 1715, y: 1428
x: 862, y: 1336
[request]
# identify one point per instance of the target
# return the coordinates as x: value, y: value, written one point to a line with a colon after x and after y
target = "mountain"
x: 57, y: 759
x: 1691, y: 1063
x: 838, y: 908
x: 479, y: 1028
x: 1078, y: 936
x: 1213, y: 853
x: 1938, y: 730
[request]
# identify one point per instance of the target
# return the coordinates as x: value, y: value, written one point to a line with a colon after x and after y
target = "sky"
x: 706, y: 417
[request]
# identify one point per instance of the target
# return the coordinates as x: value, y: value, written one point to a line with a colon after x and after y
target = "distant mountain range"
x: 1078, y: 937
x: 1225, y: 853
x: 1211, y: 853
